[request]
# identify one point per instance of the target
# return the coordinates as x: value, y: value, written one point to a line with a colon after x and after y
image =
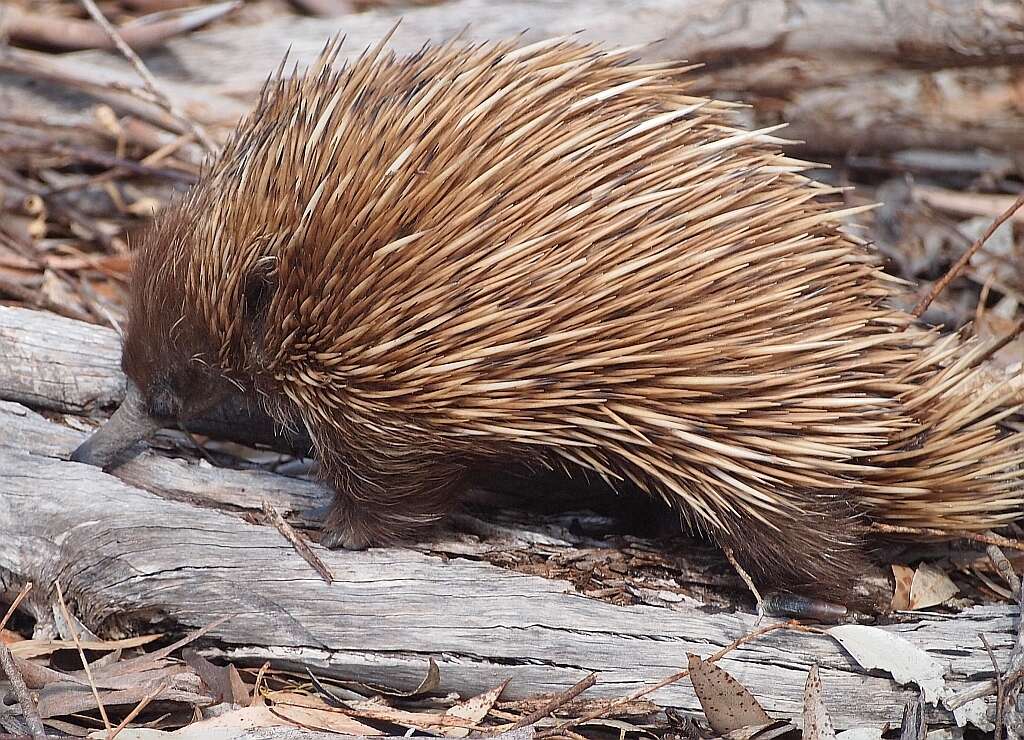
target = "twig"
x: 999, y: 688
x: 81, y: 655
x: 984, y: 539
x: 961, y: 263
x: 1015, y: 332
x: 154, y: 6
x: 300, y: 545
x: 143, y: 703
x: 28, y: 707
x: 980, y: 690
x: 746, y: 579
x: 15, y: 604
x: 1003, y: 566
x: 563, y: 698
x: 147, y: 78
x: 1012, y: 720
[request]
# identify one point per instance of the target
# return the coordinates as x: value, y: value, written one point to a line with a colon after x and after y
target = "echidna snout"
x: 557, y: 257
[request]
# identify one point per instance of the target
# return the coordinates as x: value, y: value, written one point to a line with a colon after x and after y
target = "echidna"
x: 555, y: 257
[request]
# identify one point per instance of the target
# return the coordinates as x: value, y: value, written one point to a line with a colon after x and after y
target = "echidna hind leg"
x: 818, y: 551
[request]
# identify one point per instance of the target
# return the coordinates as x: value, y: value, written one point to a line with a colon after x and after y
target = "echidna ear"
x: 260, y: 285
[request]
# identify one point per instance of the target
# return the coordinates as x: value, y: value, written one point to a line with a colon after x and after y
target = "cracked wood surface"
x: 869, y: 76
x: 166, y: 542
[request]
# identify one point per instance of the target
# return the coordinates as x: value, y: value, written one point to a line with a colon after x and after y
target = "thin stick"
x: 999, y: 688
x: 147, y: 78
x: 961, y: 263
x: 1015, y: 332
x: 1003, y: 566
x: 15, y: 604
x: 984, y: 539
x: 562, y: 699
x: 746, y: 579
x: 143, y: 703
x: 81, y: 655
x: 300, y: 545
x: 28, y: 707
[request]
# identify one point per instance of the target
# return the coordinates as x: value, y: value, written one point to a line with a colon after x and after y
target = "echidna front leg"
x: 381, y: 508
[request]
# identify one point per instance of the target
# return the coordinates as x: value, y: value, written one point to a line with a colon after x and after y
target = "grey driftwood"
x: 166, y: 543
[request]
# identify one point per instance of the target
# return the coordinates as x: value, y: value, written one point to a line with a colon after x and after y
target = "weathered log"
x: 146, y: 545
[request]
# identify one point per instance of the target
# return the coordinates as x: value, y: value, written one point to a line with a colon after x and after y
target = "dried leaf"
x: 726, y: 703
x: 966, y: 204
x: 817, y: 722
x: 224, y: 682
x: 111, y: 264
x: 913, y: 726
x: 930, y: 587
x: 875, y: 648
x: 290, y: 710
x: 901, y: 596
x: 474, y: 709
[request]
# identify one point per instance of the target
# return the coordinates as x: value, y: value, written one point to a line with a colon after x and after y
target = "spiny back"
x: 557, y: 253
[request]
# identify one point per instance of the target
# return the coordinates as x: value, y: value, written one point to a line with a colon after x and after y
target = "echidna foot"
x: 349, y: 527
x: 344, y: 539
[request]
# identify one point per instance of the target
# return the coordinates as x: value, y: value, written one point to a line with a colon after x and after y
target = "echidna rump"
x: 554, y: 256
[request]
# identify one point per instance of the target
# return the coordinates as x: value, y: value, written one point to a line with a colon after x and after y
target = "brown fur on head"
x: 170, y: 357
x: 558, y: 257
